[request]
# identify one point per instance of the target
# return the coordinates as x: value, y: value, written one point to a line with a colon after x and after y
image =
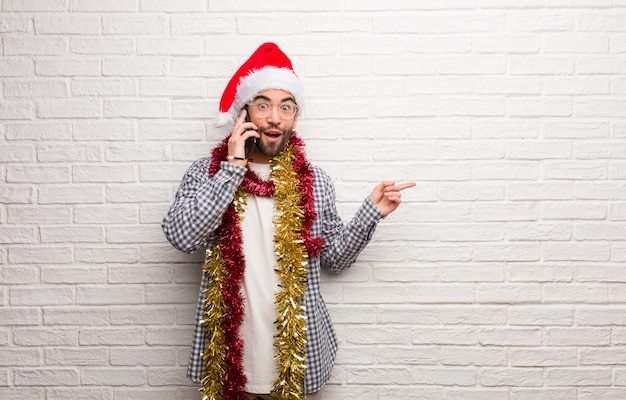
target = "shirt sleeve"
x: 200, y: 203
x: 343, y: 243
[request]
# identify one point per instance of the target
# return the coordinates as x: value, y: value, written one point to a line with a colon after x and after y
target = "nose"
x: 274, y: 116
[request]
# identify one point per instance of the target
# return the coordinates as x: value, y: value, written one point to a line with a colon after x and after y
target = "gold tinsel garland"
x: 291, y: 266
x: 212, y: 319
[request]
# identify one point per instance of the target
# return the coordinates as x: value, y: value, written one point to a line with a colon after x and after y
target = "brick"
x: 554, y: 394
x: 202, y: 24
x: 20, y: 357
x: 14, y: 393
x: 18, y: 275
x: 576, y: 43
x: 112, y: 337
x: 174, y: 46
x: 54, y: 131
x: 172, y: 87
x: 35, y: 254
x: 200, y: 67
x: 37, y: 337
x: 599, y: 64
x: 541, y: 22
x: 577, y: 377
x: 108, y: 131
x: 80, y: 393
x: 109, y: 6
x: 35, y: 88
x: 576, y: 252
x: 470, y: 191
x: 580, y: 85
x: 140, y: 315
x: 69, y: 109
x: 74, y: 234
x: 102, y: 46
x: 510, y: 336
x: 142, y: 193
x: 16, y: 153
x: 46, y: 377
x: 578, y: 337
x: 472, y: 273
x: 532, y: 65
x: 113, y: 377
x: 25, y: 46
x: 35, y: 5
x: 543, y: 358
x: 373, y: 375
x: 41, y: 296
x: 17, y: 110
x: 17, y: 235
x: 102, y: 214
x: 48, y: 215
x: 83, y: 356
x: 457, y: 376
x: 330, y: 23
x: 136, y: 109
x: 593, y: 316
x: 143, y: 24
x: 77, y: 316
x: 475, y: 394
x: 67, y: 24
x: 508, y: 294
x: 134, y: 66
x: 474, y: 356
x: 450, y: 336
x: 128, y: 274
x: 17, y: 67
x: 14, y: 24
x: 149, y: 357
x: 539, y: 107
x: 73, y: 275
x: 62, y: 194
x: 600, y: 393
x: 519, y: 377
x: 16, y: 194
x: 192, y: 109
x: 113, y: 173
x: 108, y: 254
x: 167, y: 6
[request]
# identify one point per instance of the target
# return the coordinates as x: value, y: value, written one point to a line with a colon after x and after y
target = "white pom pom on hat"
x: 267, y: 68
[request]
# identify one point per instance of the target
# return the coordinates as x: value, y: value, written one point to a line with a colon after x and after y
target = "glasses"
x: 263, y: 109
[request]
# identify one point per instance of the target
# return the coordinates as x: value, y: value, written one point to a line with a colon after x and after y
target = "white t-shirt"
x: 258, y: 290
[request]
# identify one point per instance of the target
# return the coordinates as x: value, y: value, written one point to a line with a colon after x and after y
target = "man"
x: 269, y: 221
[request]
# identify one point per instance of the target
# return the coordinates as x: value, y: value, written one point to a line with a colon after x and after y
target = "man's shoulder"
x: 199, y: 167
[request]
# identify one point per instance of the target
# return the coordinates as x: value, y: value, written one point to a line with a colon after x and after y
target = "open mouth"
x: 273, y: 135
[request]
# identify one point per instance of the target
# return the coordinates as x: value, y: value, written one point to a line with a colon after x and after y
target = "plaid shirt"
x: 197, y: 212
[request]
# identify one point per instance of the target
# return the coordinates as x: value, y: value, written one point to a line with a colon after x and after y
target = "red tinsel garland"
x: 230, y: 238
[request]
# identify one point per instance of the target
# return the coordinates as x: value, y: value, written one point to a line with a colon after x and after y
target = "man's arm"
x: 201, y: 201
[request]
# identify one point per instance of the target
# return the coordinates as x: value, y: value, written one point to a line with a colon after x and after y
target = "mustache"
x: 273, y: 127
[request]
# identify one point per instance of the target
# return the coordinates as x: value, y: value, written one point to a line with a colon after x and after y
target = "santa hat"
x: 267, y: 68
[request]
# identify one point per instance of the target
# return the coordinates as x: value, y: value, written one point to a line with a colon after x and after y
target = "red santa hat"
x: 267, y: 68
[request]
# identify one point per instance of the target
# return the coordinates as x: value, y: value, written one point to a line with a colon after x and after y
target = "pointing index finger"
x: 405, y: 185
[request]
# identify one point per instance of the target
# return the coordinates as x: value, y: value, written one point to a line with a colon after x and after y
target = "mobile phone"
x: 251, y: 142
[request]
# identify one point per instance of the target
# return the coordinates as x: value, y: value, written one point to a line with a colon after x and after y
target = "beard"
x: 272, y: 149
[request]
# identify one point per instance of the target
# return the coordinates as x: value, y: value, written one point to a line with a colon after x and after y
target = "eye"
x: 263, y: 106
x: 286, y: 107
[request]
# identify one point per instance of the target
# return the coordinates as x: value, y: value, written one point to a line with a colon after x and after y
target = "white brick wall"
x: 502, y: 277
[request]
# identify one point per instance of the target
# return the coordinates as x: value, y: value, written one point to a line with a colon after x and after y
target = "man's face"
x: 270, y: 110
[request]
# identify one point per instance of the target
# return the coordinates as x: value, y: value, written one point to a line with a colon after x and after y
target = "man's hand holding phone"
x: 242, y: 140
